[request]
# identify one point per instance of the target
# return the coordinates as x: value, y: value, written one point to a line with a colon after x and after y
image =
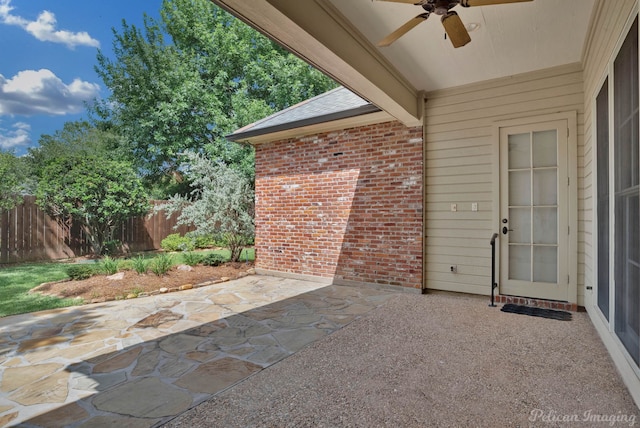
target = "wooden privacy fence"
x: 28, y: 234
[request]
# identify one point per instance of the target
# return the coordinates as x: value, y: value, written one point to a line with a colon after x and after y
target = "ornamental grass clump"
x: 190, y: 258
x: 162, y: 264
x: 140, y: 265
x: 108, y: 265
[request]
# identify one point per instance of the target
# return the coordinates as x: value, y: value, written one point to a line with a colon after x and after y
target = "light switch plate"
x: 454, y: 207
x: 474, y: 206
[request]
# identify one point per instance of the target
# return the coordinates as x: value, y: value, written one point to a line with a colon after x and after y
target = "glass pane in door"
x: 520, y: 262
x: 520, y: 188
x: 545, y: 264
x: 545, y: 225
x: 519, y: 151
x: 544, y: 148
x: 520, y: 225
x: 545, y: 186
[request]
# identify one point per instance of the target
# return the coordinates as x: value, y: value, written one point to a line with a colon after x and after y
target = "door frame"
x: 571, y: 117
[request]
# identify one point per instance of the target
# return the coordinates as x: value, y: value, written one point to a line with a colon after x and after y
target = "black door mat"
x: 537, y: 312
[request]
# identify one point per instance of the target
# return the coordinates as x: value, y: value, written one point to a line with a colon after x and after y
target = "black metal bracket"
x: 494, y: 284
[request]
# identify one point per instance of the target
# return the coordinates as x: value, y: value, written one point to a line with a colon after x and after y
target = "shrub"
x: 203, y: 241
x: 77, y: 272
x: 175, y: 242
x: 111, y: 247
x: 96, y: 192
x: 108, y: 265
x: 161, y: 264
x: 140, y: 265
x: 221, y: 202
x: 190, y: 258
x: 213, y: 259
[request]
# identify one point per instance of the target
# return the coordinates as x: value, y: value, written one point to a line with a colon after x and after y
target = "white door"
x: 534, y: 224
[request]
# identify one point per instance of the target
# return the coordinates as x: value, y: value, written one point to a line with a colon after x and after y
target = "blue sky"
x: 47, y: 58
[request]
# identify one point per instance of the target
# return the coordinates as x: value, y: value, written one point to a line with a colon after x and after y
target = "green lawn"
x: 16, y: 281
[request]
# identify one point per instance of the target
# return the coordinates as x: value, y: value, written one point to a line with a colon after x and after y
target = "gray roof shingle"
x: 339, y: 103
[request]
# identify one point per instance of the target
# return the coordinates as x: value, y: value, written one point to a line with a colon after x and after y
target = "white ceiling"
x: 511, y: 39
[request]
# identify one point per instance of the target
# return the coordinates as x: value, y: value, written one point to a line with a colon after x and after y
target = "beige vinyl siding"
x: 607, y: 29
x: 459, y: 158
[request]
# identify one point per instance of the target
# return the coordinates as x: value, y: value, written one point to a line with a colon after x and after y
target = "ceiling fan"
x: 453, y: 26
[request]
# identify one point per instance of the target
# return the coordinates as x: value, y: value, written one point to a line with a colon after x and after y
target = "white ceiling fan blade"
x: 402, y: 30
x: 470, y: 3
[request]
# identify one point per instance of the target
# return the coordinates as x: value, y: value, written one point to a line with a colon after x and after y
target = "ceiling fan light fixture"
x: 455, y: 29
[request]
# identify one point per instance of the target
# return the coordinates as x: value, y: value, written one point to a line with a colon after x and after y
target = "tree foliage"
x: 96, y: 192
x: 185, y: 81
x: 75, y: 139
x: 220, y: 204
x: 13, y: 180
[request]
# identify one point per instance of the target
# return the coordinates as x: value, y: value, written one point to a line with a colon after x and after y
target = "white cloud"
x: 44, y: 28
x: 41, y: 92
x: 17, y: 136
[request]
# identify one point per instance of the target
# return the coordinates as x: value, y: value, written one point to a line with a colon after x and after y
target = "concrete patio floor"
x: 267, y: 351
x: 438, y: 360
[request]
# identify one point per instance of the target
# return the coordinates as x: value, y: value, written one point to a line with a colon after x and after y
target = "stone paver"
x: 141, y: 362
x: 217, y: 375
x: 61, y: 417
x: 144, y: 398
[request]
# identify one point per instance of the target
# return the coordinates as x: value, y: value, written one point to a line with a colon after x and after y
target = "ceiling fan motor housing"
x: 439, y: 7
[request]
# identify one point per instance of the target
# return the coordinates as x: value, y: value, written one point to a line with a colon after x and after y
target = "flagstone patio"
x: 141, y: 362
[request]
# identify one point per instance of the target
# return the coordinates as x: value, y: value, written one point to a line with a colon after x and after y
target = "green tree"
x: 192, y: 77
x: 220, y: 204
x: 75, y: 139
x: 13, y: 180
x: 96, y: 192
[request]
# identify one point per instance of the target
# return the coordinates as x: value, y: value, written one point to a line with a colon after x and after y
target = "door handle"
x: 505, y: 230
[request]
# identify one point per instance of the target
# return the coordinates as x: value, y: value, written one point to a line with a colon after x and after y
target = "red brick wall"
x: 344, y: 204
